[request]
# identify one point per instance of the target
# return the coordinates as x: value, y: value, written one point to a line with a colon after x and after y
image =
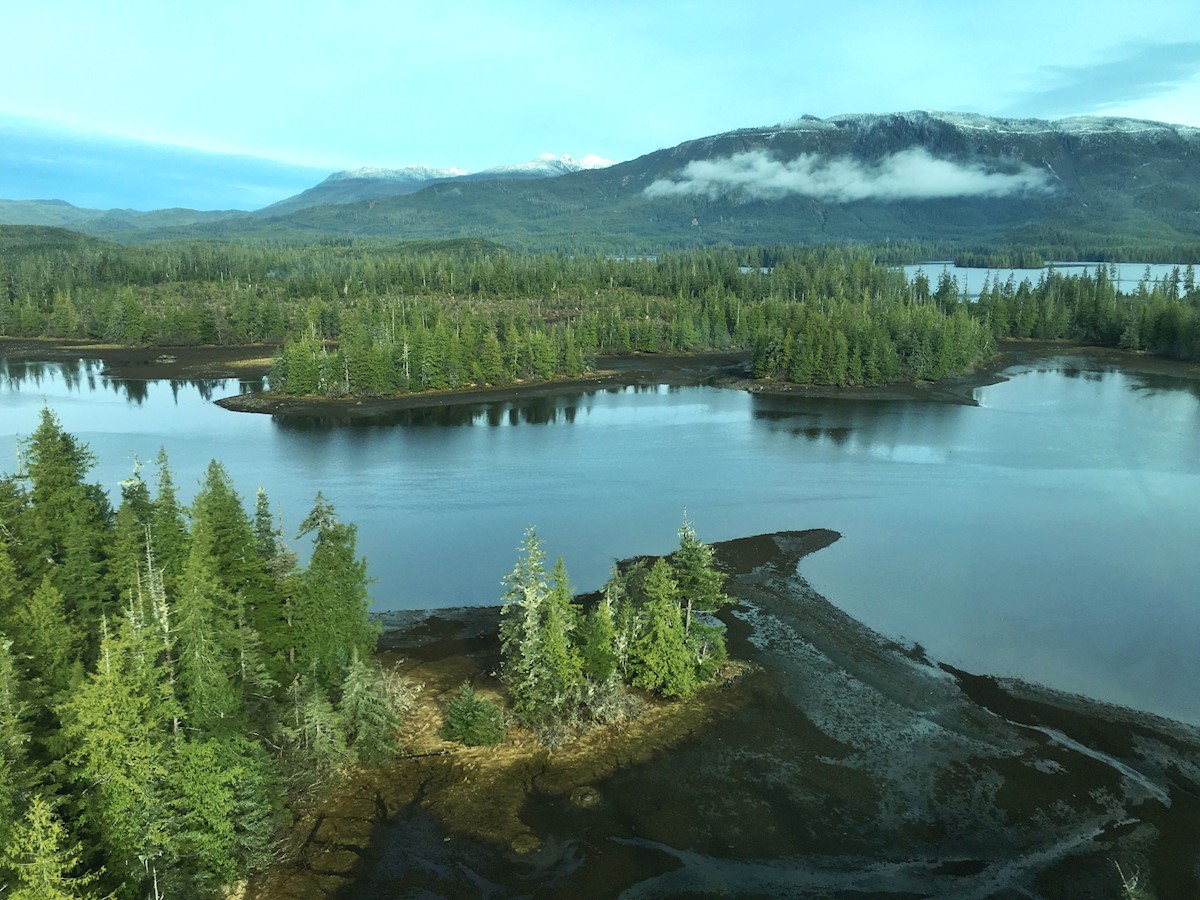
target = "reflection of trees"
x: 530, y: 411
x: 860, y: 424
x: 78, y: 375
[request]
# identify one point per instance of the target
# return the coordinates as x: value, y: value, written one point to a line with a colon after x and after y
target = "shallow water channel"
x: 1050, y: 532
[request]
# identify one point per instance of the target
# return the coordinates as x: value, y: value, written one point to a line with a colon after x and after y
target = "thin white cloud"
x: 908, y: 175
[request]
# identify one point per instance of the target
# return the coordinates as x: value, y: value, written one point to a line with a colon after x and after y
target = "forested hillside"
x: 171, y: 682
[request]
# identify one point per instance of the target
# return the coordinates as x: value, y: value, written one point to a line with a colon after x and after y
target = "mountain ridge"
x: 957, y: 178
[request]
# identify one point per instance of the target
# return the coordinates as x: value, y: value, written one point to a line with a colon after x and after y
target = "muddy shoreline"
x: 832, y: 762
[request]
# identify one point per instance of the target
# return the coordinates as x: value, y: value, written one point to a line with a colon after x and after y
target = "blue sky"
x: 309, y: 88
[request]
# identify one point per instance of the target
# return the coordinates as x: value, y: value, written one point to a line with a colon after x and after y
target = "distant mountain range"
x: 376, y: 184
x: 917, y: 176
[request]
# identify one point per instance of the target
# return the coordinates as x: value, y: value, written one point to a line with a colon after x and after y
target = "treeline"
x: 171, y: 682
x: 1161, y: 317
x: 371, y: 318
x: 650, y: 629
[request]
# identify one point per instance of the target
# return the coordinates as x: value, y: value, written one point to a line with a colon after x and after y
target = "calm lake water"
x: 1050, y: 533
x: 970, y: 278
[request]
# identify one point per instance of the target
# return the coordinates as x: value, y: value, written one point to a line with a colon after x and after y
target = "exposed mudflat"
x: 830, y: 763
x: 146, y: 363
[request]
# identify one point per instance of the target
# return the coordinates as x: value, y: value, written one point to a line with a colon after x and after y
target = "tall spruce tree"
x: 526, y: 592
x: 117, y: 730
x: 167, y: 524
x: 695, y: 570
x: 330, y: 620
x: 14, y: 738
x: 42, y: 862
x: 660, y: 660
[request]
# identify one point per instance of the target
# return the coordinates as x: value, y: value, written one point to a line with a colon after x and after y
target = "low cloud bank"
x: 908, y: 175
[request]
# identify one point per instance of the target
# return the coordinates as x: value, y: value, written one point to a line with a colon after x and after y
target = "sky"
x: 237, y: 103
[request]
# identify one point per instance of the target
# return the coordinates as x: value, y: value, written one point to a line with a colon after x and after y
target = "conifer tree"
x: 14, y: 736
x: 168, y: 528
x: 65, y: 525
x: 314, y: 733
x: 10, y: 585
x: 203, y: 642
x: 695, y: 570
x: 472, y: 720
x: 43, y: 867
x: 130, y: 538
x: 371, y: 723
x: 116, y: 728
x: 660, y: 660
x: 561, y: 668
x: 526, y: 592
x: 598, y: 639
x: 47, y: 640
x: 330, y: 620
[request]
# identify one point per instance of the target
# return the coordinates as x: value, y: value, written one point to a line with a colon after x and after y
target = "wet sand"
x: 829, y: 762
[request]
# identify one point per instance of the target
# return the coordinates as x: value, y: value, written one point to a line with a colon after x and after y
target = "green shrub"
x: 472, y: 721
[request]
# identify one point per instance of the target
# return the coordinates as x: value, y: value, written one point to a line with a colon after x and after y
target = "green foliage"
x: 14, y: 738
x: 329, y: 617
x: 42, y: 864
x: 315, y: 733
x: 367, y: 318
x: 472, y: 720
x: 371, y: 723
x: 541, y: 662
x: 224, y: 814
x: 597, y: 642
x: 695, y: 570
x: 660, y: 660
x: 47, y: 640
x: 116, y: 726
x: 157, y: 718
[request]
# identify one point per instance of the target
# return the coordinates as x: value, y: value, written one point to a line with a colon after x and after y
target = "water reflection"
x: 897, y: 431
x: 86, y: 376
x: 560, y: 409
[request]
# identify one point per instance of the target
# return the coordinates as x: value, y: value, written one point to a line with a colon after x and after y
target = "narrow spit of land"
x: 827, y: 761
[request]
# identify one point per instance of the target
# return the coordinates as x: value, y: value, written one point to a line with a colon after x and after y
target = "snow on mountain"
x: 548, y: 165
x: 407, y: 173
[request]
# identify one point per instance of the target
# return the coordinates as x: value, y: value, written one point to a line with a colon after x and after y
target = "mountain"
x: 368, y: 184
x: 946, y: 178
x: 361, y: 185
x: 110, y: 222
x: 1089, y: 184
x: 545, y: 166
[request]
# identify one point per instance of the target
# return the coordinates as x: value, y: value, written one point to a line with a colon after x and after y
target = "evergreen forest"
x: 567, y: 667
x: 376, y: 319
x: 173, y: 685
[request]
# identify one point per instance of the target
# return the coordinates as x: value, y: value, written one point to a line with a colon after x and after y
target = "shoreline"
x: 834, y: 760
x: 724, y: 369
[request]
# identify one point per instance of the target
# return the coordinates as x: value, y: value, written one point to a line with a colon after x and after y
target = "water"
x: 1049, y: 533
x: 970, y: 278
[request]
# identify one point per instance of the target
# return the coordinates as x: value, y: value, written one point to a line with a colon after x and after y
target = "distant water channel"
x: 1051, y: 532
x: 970, y: 279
